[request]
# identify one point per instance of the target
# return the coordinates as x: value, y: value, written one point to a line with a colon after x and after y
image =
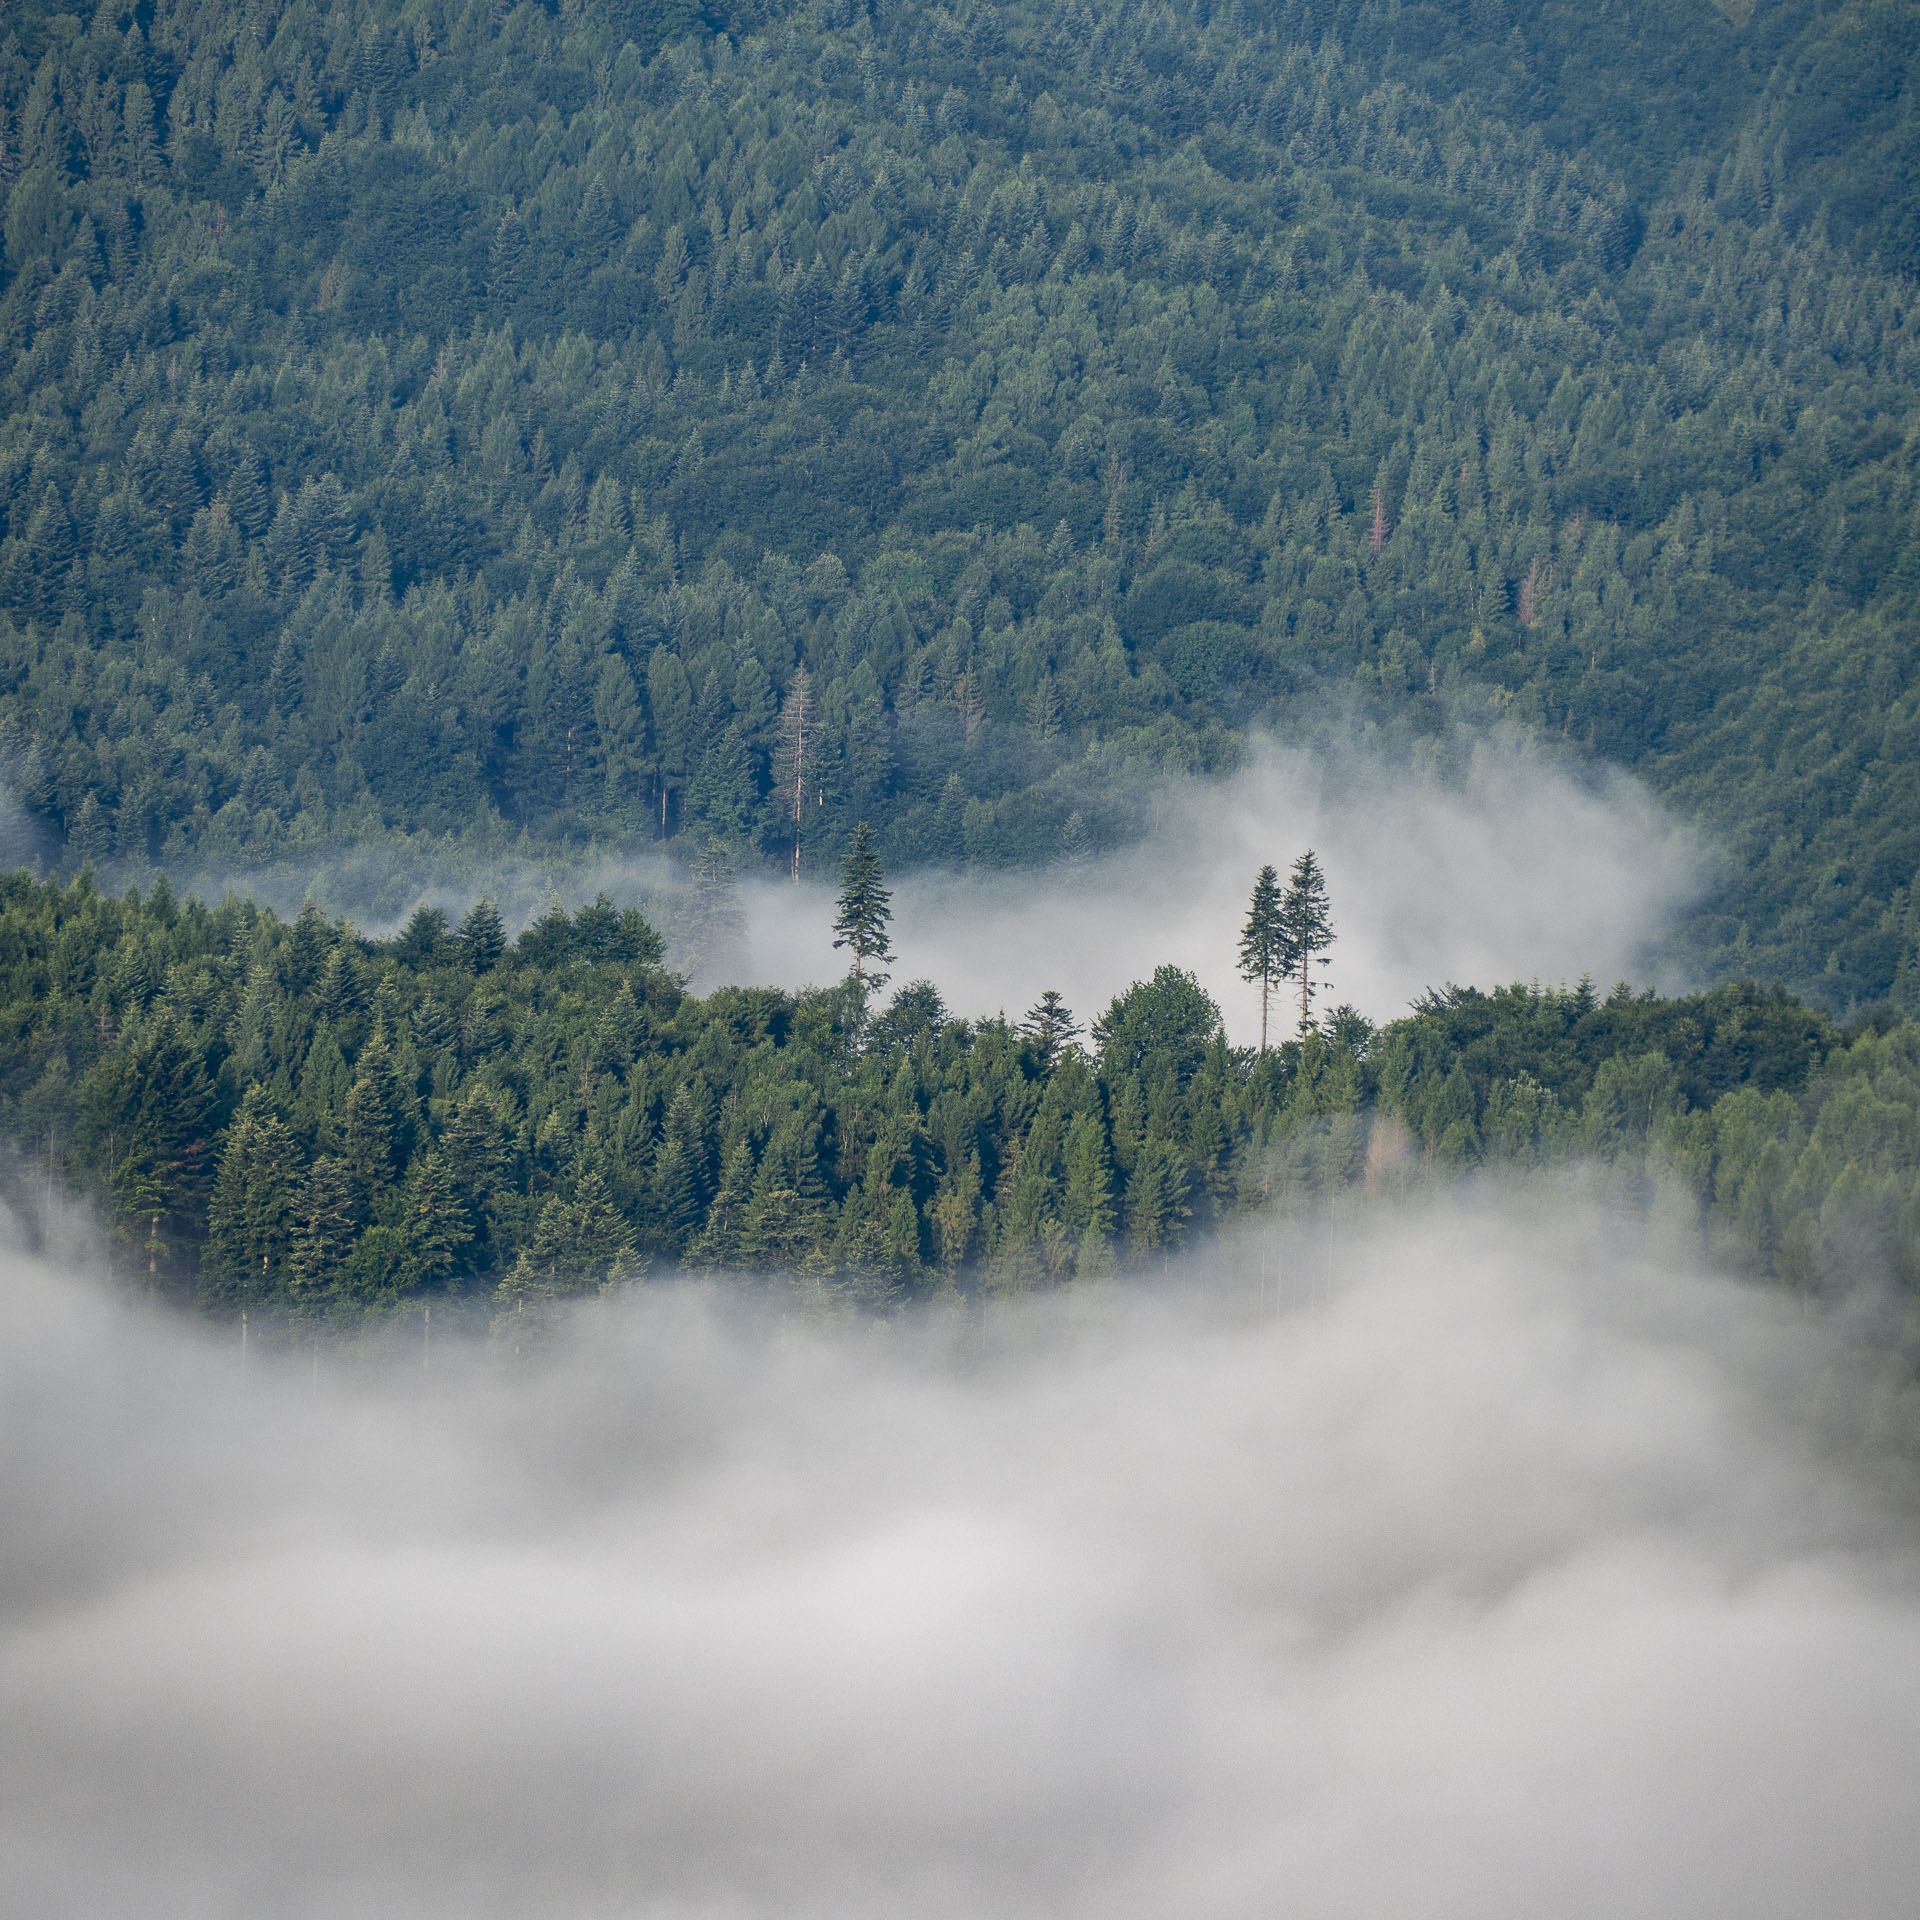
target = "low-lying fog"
x: 1509, y: 865
x: 1513, y: 870
x: 1498, y: 1574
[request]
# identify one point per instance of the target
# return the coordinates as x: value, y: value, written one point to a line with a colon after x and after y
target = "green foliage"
x: 1262, y: 954
x: 554, y: 1125
x: 1304, y: 929
x: 465, y: 421
x: 860, y: 920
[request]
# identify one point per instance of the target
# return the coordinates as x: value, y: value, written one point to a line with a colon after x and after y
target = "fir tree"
x: 434, y: 1221
x: 322, y: 1232
x: 717, y: 937
x: 864, y: 910
x: 250, y: 1220
x: 1051, y: 1027
x: 482, y: 938
x: 1263, y: 945
x: 1088, y: 1204
x: 367, y: 1145
x: 1306, y: 929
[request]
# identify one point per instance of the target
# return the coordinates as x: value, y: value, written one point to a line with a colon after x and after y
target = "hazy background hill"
x: 467, y: 422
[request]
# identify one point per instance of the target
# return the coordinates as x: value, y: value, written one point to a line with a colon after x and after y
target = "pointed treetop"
x: 482, y: 936
x: 865, y: 907
x: 1306, y: 923
x: 1264, y: 954
x: 1051, y: 1027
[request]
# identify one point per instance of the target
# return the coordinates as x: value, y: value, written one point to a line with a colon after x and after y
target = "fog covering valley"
x: 1480, y: 1552
x: 533, y: 537
x: 1491, y: 1560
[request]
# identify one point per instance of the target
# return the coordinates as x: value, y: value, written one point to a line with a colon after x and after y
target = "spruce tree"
x: 323, y: 1231
x: 865, y: 909
x: 1306, y: 927
x: 482, y: 938
x: 250, y: 1221
x: 435, y: 1222
x: 1051, y: 1027
x: 367, y: 1146
x: 1263, y: 947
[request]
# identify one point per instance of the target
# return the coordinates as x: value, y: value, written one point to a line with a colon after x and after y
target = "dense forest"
x: 289, y: 1120
x: 646, y: 421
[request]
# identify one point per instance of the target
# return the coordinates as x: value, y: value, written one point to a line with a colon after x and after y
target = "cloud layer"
x: 1508, y: 869
x: 1496, y: 1574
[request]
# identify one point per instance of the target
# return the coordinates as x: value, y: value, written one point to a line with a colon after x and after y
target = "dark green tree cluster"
x: 287, y: 1119
x: 736, y: 423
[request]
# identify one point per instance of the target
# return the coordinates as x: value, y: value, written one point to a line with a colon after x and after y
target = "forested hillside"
x: 477, y: 419
x: 295, y: 1122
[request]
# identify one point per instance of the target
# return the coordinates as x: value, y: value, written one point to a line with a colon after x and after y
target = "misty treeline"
x: 289, y: 1119
x: 649, y: 419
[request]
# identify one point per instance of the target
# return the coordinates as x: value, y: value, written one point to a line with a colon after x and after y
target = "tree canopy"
x: 736, y: 422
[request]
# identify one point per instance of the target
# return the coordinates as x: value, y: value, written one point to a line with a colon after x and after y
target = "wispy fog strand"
x: 1509, y: 869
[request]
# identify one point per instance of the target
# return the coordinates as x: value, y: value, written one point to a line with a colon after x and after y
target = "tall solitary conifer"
x: 1306, y: 927
x: 865, y: 909
x: 1263, y: 946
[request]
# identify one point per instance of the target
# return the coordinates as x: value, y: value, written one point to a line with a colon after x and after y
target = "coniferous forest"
x: 484, y: 420
x: 888, y: 433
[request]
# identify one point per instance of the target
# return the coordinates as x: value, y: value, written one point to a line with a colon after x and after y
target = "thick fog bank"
x: 1513, y: 869
x: 1497, y: 1576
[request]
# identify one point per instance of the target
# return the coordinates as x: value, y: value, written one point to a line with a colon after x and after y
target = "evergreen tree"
x: 1157, y: 1207
x: 1051, y: 1027
x: 148, y: 1112
x: 250, y: 1219
x: 864, y: 910
x: 482, y: 938
x: 434, y: 1220
x: 581, y: 1243
x: 323, y: 1232
x: 367, y: 1145
x: 1306, y: 929
x: 1263, y: 948
x: 1087, y: 1207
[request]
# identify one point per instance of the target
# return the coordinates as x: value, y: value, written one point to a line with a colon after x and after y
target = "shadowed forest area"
x: 496, y: 424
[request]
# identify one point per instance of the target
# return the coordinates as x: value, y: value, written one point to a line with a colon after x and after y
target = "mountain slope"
x: 470, y: 421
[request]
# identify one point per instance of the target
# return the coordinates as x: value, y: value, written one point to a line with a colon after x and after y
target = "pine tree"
x: 1051, y: 1027
x: 367, y: 1148
x: 581, y: 1241
x: 250, y: 1221
x: 1088, y: 1204
x: 1157, y: 1196
x: 435, y: 1222
x: 1306, y: 928
x: 865, y: 909
x: 1263, y: 948
x: 718, y: 1243
x: 322, y: 1231
x: 482, y: 938
x: 342, y: 993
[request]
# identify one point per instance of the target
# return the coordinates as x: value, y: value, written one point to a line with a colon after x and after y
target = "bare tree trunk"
x: 796, y: 715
